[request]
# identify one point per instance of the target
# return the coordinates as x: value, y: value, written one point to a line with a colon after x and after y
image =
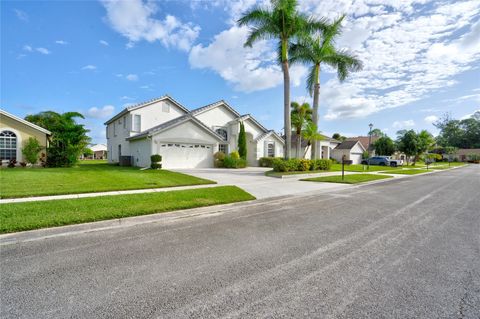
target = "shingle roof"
x: 145, y: 103
x: 245, y: 117
x: 212, y: 106
x: 347, y: 145
x: 171, y: 123
x: 363, y: 140
x: 267, y: 134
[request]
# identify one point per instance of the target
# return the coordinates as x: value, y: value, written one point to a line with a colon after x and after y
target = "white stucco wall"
x: 218, y: 116
x: 153, y: 114
x: 354, y: 154
x: 141, y: 151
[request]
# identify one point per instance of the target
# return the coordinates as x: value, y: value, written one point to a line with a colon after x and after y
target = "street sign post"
x: 345, y: 162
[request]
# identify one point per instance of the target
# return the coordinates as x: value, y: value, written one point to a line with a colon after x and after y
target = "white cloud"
x: 467, y: 116
x: 248, y: 69
x: 43, y: 51
x: 135, y: 20
x: 100, y: 113
x: 21, y: 15
x: 103, y: 42
x: 132, y: 77
x: 61, y: 42
x: 410, y: 50
x: 403, y: 124
x: 89, y: 67
x: 431, y: 119
x: 28, y: 48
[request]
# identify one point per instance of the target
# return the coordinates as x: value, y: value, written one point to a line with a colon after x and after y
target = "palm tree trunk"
x: 299, y: 144
x: 286, y: 110
x: 316, y: 95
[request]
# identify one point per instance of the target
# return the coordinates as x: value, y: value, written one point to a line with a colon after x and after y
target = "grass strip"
x: 33, y: 215
x: 408, y: 171
x: 348, y: 179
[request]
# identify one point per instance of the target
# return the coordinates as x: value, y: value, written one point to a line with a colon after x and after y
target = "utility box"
x: 126, y: 161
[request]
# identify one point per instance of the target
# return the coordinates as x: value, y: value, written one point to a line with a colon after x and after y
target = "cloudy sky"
x: 421, y: 58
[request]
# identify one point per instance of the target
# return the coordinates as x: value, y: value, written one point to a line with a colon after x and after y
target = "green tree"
x: 407, y: 143
x: 384, y: 146
x: 242, y: 142
x: 339, y: 137
x: 459, y: 133
x: 317, y: 49
x: 377, y: 132
x: 311, y: 135
x: 283, y: 23
x: 87, y: 152
x: 30, y: 150
x: 425, y: 143
x: 68, y: 139
x: 301, y: 114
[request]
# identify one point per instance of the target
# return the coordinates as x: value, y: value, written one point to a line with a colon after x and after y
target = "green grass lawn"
x: 87, y: 177
x: 41, y: 214
x: 335, y: 168
x: 407, y: 171
x: 349, y: 179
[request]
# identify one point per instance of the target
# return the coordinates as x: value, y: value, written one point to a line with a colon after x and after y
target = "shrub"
x: 43, y: 159
x: 235, y: 155
x: 304, y: 165
x: 30, y: 150
x: 242, y: 142
x: 156, y: 160
x: 23, y: 164
x: 267, y: 161
x: 12, y: 163
x: 232, y: 162
x: 218, y: 159
x: 322, y: 164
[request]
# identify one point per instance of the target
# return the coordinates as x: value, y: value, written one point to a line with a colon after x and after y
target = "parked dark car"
x: 377, y: 160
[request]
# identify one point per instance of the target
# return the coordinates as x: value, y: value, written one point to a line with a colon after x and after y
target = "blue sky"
x: 421, y: 59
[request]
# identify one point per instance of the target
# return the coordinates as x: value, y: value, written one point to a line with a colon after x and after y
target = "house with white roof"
x: 184, y: 138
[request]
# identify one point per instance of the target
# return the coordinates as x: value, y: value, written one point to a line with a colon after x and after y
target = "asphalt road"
x: 407, y: 248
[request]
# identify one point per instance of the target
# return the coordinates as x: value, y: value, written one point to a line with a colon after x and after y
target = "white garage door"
x: 178, y: 155
x: 356, y: 158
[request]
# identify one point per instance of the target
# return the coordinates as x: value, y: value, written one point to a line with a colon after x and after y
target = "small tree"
x: 31, y: 149
x: 384, y: 146
x: 242, y: 142
x: 87, y: 152
x: 408, y: 143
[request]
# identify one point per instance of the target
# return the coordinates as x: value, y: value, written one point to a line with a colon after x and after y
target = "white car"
x: 395, y: 162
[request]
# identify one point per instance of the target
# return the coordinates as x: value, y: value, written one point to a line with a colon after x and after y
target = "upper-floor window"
x: 114, y: 129
x: 8, y: 145
x: 106, y: 132
x: 137, y: 122
x: 222, y: 132
x: 124, y: 122
x: 166, y: 107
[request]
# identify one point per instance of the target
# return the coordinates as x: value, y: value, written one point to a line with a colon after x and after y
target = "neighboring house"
x: 324, y: 147
x: 185, y: 139
x: 462, y: 154
x: 14, y: 132
x: 353, y: 150
x: 365, y: 141
x: 99, y: 151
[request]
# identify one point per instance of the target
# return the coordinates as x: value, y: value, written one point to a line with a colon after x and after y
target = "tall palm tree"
x: 319, y: 49
x: 301, y: 114
x: 311, y: 135
x: 284, y: 23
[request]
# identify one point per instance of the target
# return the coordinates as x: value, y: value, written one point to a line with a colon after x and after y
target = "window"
x: 271, y: 150
x: 222, y: 132
x: 124, y: 122
x: 166, y: 107
x: 137, y: 122
x: 223, y: 148
x: 8, y: 145
x: 106, y: 133
x: 114, y: 129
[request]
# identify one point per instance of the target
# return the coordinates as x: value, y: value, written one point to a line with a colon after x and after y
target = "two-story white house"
x: 185, y: 139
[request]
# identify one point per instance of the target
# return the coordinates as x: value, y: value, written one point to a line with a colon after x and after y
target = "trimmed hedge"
x: 302, y: 165
x: 267, y: 161
x: 156, y: 160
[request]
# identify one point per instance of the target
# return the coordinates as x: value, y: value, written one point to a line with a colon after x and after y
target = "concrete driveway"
x: 254, y: 181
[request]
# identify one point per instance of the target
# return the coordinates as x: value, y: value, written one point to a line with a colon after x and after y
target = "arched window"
x: 8, y: 145
x: 222, y: 132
